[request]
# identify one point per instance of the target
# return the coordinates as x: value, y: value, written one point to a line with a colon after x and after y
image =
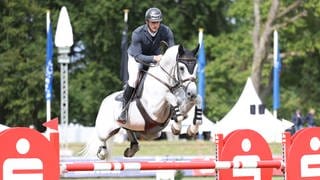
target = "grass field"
x: 171, y: 148
x: 174, y: 148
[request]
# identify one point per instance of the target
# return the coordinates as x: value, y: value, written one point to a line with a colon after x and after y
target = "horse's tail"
x: 88, y: 149
x: 92, y: 146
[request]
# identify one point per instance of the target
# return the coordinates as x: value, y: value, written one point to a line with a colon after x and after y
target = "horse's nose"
x: 191, y: 95
x: 191, y: 91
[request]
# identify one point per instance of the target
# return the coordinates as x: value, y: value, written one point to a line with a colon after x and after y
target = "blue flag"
x: 201, y: 71
x: 276, y: 72
x: 49, y: 65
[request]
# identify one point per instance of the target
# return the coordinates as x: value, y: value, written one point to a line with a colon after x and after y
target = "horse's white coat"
x: 156, y: 99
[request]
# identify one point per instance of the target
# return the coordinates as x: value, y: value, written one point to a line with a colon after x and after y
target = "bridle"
x: 177, y: 80
x: 190, y: 63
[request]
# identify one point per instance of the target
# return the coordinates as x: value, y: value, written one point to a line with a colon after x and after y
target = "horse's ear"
x: 195, y: 51
x: 181, y: 50
x: 163, y: 47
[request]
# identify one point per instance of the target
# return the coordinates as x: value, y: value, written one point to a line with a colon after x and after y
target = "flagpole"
x: 48, y: 110
x: 200, y: 36
x: 48, y: 71
x: 275, y: 74
x: 126, y: 11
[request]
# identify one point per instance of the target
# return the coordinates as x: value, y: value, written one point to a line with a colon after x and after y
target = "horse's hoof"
x: 180, y: 118
x: 130, y: 152
x: 101, y: 154
x: 192, y: 131
x: 101, y: 157
x: 174, y: 130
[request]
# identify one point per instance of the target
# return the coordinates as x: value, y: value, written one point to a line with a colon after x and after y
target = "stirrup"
x: 123, y: 116
x: 121, y: 121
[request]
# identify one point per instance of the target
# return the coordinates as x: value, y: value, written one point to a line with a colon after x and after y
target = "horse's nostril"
x: 191, y: 95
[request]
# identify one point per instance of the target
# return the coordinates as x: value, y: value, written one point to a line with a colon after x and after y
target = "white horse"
x: 169, y: 91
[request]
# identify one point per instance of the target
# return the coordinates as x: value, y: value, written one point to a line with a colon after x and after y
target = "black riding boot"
x: 126, y: 98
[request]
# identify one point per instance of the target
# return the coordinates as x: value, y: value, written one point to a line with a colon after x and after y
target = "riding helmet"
x: 153, y: 14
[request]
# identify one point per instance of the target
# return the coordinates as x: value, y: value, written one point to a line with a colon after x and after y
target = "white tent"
x: 3, y: 127
x: 250, y: 113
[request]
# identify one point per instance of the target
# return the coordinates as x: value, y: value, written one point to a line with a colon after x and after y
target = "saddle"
x: 140, y: 82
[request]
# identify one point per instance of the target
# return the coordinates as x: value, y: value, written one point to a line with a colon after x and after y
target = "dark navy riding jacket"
x: 143, y: 46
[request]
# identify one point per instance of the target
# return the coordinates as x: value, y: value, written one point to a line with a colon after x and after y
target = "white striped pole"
x: 170, y: 165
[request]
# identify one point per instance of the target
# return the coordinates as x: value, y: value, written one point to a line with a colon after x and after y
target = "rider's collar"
x: 151, y: 33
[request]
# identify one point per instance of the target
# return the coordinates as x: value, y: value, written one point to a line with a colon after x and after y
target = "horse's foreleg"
x: 134, y: 145
x: 197, y: 119
x: 176, y: 127
x: 173, y: 101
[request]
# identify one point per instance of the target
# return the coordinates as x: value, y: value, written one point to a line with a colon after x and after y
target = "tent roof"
x: 3, y: 127
x: 248, y: 113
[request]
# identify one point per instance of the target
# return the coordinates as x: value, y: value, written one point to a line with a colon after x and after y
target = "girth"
x: 149, y: 122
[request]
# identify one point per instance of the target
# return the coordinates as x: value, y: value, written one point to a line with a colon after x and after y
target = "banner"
x: 49, y: 65
x: 201, y: 68
x: 276, y: 71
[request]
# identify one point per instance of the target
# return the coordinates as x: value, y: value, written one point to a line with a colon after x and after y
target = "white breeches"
x: 133, y: 70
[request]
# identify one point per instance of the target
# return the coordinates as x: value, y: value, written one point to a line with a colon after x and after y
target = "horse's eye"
x: 181, y: 69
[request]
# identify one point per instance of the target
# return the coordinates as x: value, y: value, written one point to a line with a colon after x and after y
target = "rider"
x: 144, y: 49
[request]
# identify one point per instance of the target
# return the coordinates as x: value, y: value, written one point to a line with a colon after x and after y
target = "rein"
x: 171, y: 88
x: 177, y: 82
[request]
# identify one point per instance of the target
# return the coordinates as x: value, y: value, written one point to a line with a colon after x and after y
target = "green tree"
x: 102, y: 45
x: 238, y: 40
x: 251, y: 55
x: 22, y: 55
